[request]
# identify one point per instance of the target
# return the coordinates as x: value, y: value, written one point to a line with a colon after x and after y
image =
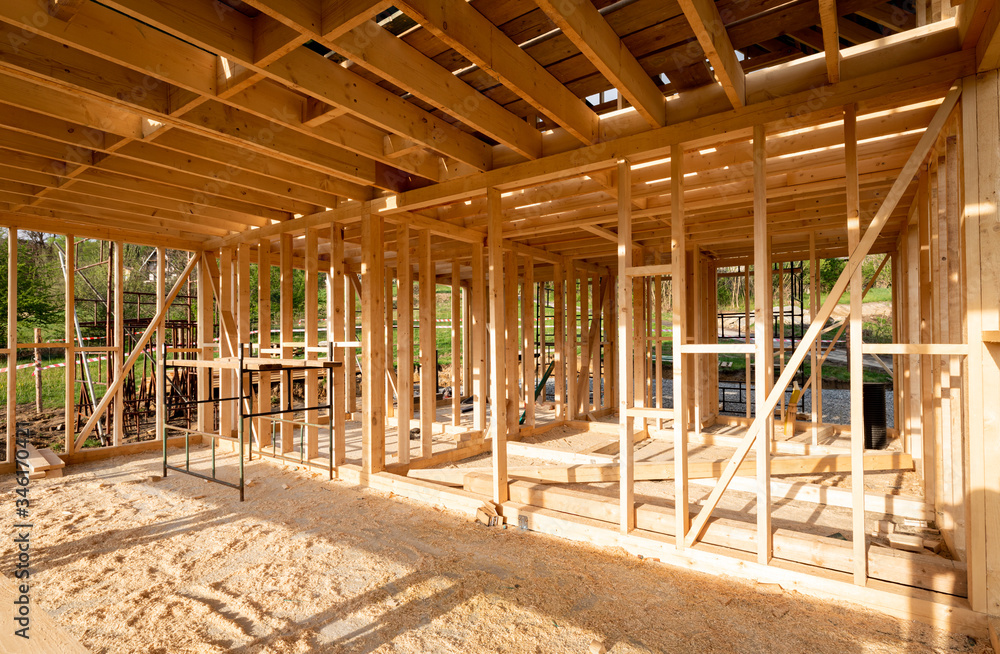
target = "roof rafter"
x: 831, y: 38
x: 459, y: 25
x: 582, y: 24
x: 704, y: 18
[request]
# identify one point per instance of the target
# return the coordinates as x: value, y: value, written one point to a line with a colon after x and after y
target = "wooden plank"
x: 372, y: 345
x: 428, y: 341
x: 678, y: 261
x: 664, y: 470
x: 710, y: 30
x: 626, y: 448
x: 854, y: 263
x: 898, y: 506
x: 136, y: 353
x: 582, y: 24
x: 572, y: 370
x: 42, y: 634
x: 940, y: 349
x: 498, y: 349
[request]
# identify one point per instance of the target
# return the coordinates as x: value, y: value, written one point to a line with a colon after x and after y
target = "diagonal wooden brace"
x: 136, y: 352
x: 906, y: 176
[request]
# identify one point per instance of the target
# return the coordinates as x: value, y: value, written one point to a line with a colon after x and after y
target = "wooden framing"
x: 570, y: 147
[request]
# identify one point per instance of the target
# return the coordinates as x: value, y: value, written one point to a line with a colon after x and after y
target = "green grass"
x: 53, y: 384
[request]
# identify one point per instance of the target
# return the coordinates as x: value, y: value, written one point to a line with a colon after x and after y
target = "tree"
x: 39, y: 283
x: 829, y: 272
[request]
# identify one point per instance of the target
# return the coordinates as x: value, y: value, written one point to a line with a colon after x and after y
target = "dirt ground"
x: 126, y: 564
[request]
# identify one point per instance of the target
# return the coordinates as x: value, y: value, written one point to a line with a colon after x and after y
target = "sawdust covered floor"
x: 178, y: 565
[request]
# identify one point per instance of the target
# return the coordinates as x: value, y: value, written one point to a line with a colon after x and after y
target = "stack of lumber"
x: 43, y: 463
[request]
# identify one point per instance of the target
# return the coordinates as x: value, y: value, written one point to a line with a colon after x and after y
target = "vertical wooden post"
x: 608, y: 370
x: 558, y: 340
x: 11, y: 344
x: 763, y: 317
x: 678, y: 277
x: 478, y: 297
x: 351, y: 315
x: 242, y: 288
x: 466, y: 291
x: 161, y: 336
x: 498, y: 345
x: 206, y: 415
x: 856, y: 366
x: 227, y: 348
x: 814, y: 402
x: 746, y: 321
x: 956, y: 445
x: 285, y: 333
x: 389, y: 338
x: 583, y: 383
x: 264, y: 424
x: 404, y: 372
x: 372, y: 343
x: 980, y: 132
x: 594, y: 346
x: 572, y: 373
x: 513, y: 345
x: 456, y: 345
x: 38, y: 370
x: 698, y: 360
x: 336, y: 298
x: 911, y: 272
x: 658, y: 336
x: 528, y: 338
x: 925, y: 292
x: 70, y: 335
x: 119, y: 406
x: 626, y: 449
x: 428, y: 343
x: 312, y: 340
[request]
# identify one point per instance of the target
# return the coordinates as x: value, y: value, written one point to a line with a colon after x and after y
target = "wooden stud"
x: 11, y: 344
x: 339, y: 330
x: 512, y: 343
x: 498, y: 346
x: 558, y: 341
x: 428, y: 343
x: 456, y: 345
x: 479, y: 336
x: 572, y: 370
x: 204, y: 336
x: 763, y: 315
x: 70, y: 336
x: 119, y: 340
x: 626, y: 448
x: 311, y: 339
x: 404, y: 370
x: 859, y: 536
x: 814, y: 403
x: 264, y: 424
x: 372, y: 344
x: 161, y: 333
x: 528, y: 340
x: 286, y: 334
x: 678, y: 279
